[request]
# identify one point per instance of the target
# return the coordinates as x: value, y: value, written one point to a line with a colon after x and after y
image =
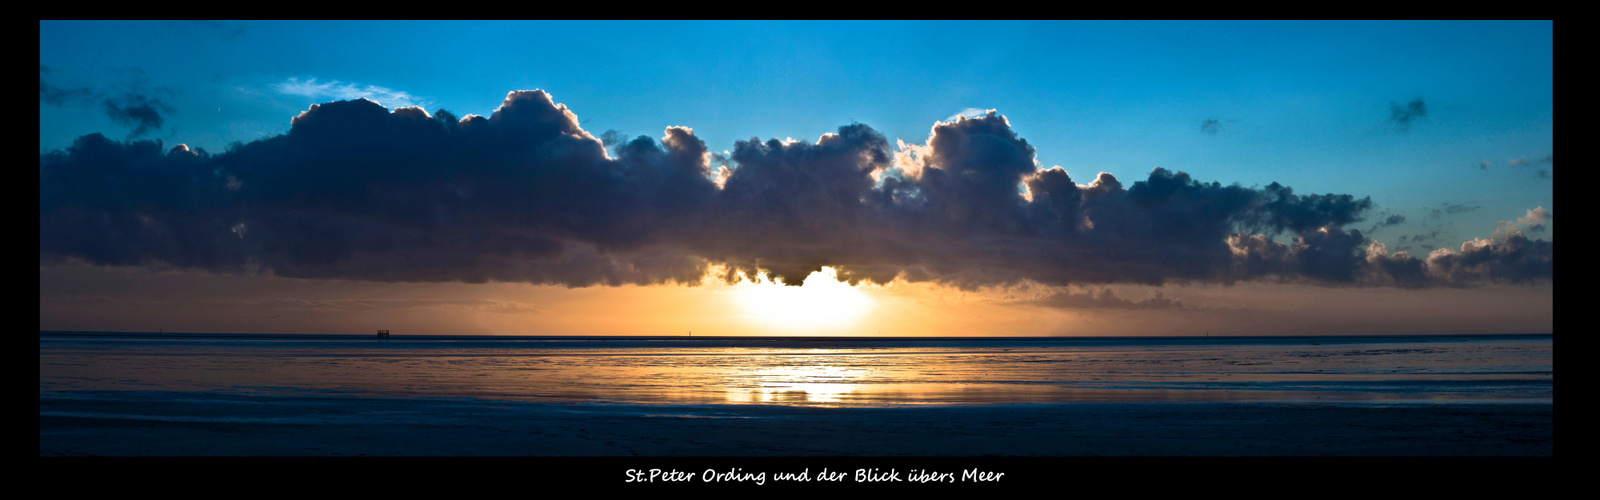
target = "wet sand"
x: 156, y: 423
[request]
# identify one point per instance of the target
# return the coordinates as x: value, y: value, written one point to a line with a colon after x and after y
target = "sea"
x: 810, y: 371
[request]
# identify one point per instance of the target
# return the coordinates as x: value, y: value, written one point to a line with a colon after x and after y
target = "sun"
x: 821, y: 303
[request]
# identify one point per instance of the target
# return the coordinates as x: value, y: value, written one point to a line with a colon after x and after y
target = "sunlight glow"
x: 802, y: 380
x: 822, y: 302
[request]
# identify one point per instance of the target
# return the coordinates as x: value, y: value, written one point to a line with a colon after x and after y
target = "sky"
x: 920, y: 178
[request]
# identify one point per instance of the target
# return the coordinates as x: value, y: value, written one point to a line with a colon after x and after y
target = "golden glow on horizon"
x: 168, y: 299
x: 821, y: 302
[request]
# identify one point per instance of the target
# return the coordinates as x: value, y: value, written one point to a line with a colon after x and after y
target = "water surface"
x: 858, y: 372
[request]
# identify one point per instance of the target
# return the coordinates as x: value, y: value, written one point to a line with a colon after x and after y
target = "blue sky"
x: 1306, y: 104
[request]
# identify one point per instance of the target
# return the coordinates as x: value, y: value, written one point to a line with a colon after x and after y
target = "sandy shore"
x: 183, y: 423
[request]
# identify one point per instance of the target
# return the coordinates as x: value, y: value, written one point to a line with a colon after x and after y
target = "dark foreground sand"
x: 165, y: 423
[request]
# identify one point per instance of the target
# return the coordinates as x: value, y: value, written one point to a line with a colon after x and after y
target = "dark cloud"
x: 1390, y: 220
x: 1286, y: 211
x: 1542, y: 173
x: 612, y: 138
x: 1398, y: 268
x: 60, y: 96
x: 1421, y: 237
x: 1401, y: 117
x: 1329, y: 254
x: 276, y: 308
x: 358, y: 191
x: 1508, y: 256
x: 141, y: 112
x: 1103, y: 299
x: 134, y: 107
x: 1447, y: 208
x: 1514, y: 259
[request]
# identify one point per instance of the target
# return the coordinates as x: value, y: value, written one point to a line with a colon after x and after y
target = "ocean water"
x: 826, y: 372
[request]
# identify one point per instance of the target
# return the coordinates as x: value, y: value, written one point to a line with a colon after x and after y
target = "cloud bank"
x: 361, y: 192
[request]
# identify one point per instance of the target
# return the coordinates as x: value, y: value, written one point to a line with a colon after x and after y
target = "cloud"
x: 134, y: 107
x: 1507, y: 256
x: 612, y: 138
x: 141, y: 112
x: 273, y: 308
x: 358, y: 191
x: 1103, y: 299
x: 1540, y: 174
x: 1032, y: 293
x: 1524, y: 162
x: 1447, y: 208
x: 1391, y: 220
x: 1534, y: 222
x: 345, y: 91
x: 1514, y: 259
x: 1421, y: 237
x: 60, y: 96
x: 968, y: 112
x: 1401, y: 117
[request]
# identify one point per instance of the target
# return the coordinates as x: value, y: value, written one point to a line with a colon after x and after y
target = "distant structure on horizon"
x: 383, y: 334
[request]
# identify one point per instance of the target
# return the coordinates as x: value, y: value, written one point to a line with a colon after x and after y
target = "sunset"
x: 770, y: 217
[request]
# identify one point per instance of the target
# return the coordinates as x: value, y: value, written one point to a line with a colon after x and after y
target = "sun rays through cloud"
x: 822, y: 304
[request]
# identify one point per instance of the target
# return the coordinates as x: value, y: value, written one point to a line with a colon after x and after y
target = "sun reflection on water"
x: 800, y: 379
